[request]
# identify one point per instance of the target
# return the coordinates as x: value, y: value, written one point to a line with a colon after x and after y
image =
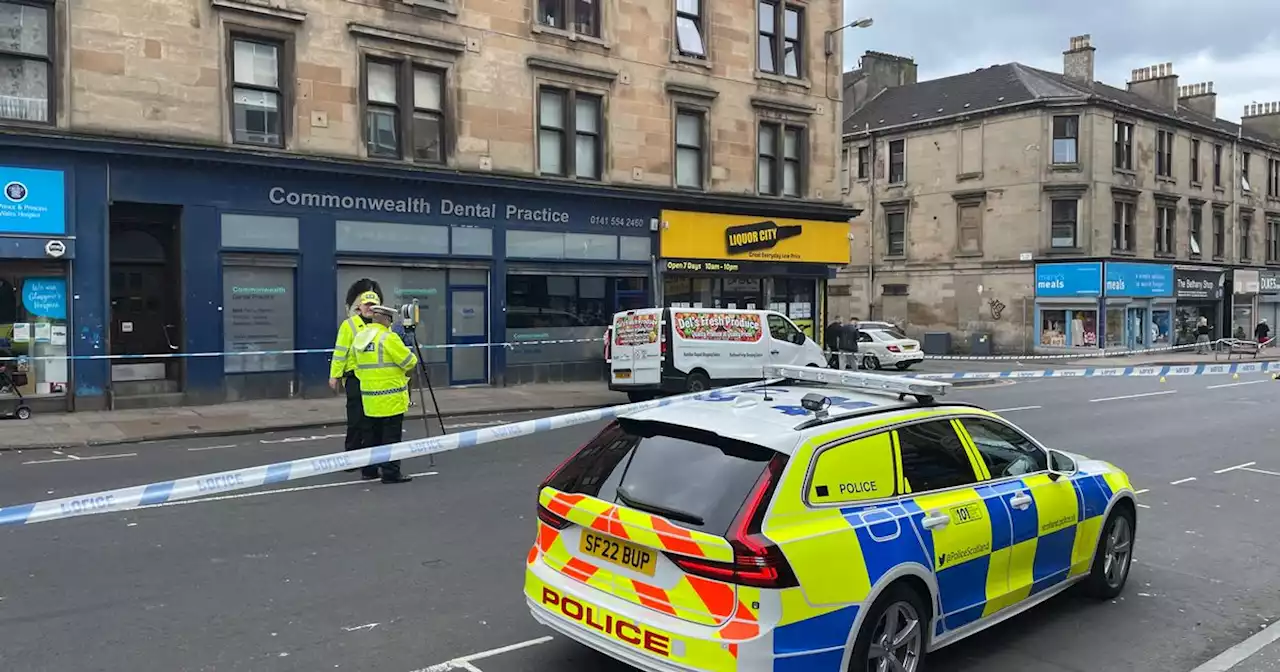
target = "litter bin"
x: 980, y: 345
x: 936, y: 343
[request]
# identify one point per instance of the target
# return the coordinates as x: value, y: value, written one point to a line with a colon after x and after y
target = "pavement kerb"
x: 311, y: 424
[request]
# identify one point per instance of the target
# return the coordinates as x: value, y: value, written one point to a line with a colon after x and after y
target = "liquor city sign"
x: 477, y: 209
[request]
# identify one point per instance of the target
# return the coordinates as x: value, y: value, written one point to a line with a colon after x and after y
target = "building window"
x: 897, y: 161
x: 1122, y: 225
x: 1066, y: 138
x: 690, y: 148
x: 1197, y: 230
x: 844, y: 169
x: 1123, y: 145
x: 26, y: 52
x: 896, y: 234
x: 1195, y: 162
x: 864, y: 163
x: 969, y: 228
x: 1273, y: 178
x: 1246, y: 233
x: 257, y: 100
x: 1164, y: 153
x: 1217, y: 165
x: 1166, y: 219
x: 781, y: 50
x: 565, y: 114
x: 387, y: 95
x: 689, y: 25
x: 1219, y: 233
x: 1062, y: 231
x: 779, y: 161
x: 580, y: 16
x: 1245, y: 159
x: 1273, y: 240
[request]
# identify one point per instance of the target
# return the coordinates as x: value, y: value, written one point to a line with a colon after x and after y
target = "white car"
x: 878, y: 348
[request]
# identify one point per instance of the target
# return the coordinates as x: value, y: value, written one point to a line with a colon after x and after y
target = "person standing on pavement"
x: 1202, y: 335
x: 1262, y: 332
x: 362, y: 296
x: 831, y: 341
x: 383, y: 364
x: 849, y: 344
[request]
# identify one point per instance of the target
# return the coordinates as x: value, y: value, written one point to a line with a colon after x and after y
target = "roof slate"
x: 1013, y: 84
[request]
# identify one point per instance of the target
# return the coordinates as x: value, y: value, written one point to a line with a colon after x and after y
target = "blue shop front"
x: 146, y: 267
x: 1095, y: 304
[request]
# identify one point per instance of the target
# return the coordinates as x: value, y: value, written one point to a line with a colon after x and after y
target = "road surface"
x: 335, y: 574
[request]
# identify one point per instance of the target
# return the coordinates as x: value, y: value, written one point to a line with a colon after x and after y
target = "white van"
x: 655, y: 351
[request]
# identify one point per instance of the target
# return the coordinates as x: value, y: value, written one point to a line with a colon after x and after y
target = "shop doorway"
x: 1135, y: 331
x: 468, y: 326
x: 145, y: 298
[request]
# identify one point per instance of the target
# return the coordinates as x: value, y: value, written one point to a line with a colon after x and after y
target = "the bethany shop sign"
x: 477, y: 209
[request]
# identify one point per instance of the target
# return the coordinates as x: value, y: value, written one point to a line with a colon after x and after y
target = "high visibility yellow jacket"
x: 343, y: 362
x: 382, y: 363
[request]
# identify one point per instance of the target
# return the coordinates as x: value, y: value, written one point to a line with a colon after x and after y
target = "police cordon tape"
x: 1109, y: 372
x: 1221, y: 346
x: 154, y: 494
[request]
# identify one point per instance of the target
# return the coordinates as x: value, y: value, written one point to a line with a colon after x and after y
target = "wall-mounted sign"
x: 45, y: 297
x: 257, y: 315
x: 1138, y: 280
x: 1199, y: 285
x: 1268, y: 282
x: 702, y: 235
x: 32, y: 201
x: 55, y: 249
x: 1069, y: 279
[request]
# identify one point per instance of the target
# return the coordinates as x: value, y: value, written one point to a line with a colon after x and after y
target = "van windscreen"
x: 693, y: 477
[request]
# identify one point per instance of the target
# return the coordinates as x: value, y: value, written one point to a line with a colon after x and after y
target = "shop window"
x: 258, y: 306
x: 402, y: 286
x: 1187, y: 318
x: 734, y: 293
x: 474, y: 241
x: 404, y: 109
x: 570, y: 133
x: 258, y: 232
x: 33, y: 326
x: 391, y: 237
x: 1069, y: 328
x: 1161, y: 328
x: 795, y: 298
x: 257, y: 93
x: 563, y: 307
x: 26, y: 47
x: 1115, y: 327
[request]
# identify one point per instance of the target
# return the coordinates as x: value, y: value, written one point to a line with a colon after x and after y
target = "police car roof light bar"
x: 857, y: 380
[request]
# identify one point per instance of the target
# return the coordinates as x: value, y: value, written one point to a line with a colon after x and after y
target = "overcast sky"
x: 1233, y: 43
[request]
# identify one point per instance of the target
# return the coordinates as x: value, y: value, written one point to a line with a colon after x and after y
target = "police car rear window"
x: 695, y: 478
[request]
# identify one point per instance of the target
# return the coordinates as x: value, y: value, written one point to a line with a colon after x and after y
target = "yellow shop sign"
x: 701, y: 235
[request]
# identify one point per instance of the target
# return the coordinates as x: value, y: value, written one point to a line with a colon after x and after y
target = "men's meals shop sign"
x: 706, y: 242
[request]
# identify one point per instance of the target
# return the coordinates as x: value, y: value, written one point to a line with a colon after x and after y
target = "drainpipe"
x: 871, y: 226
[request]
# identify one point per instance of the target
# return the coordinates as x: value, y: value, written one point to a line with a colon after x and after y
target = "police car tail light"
x: 757, y: 561
x: 545, y: 514
x: 551, y: 519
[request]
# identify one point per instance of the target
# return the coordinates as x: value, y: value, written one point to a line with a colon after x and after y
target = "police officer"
x: 343, y: 368
x: 383, y: 364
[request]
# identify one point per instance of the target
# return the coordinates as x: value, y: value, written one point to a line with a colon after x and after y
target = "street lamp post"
x: 829, y: 36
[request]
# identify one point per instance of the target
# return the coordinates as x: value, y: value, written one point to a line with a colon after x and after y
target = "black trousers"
x: 383, y: 431
x: 357, y: 424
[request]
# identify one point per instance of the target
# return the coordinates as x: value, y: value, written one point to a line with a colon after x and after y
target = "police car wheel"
x: 894, y: 634
x: 1113, y: 557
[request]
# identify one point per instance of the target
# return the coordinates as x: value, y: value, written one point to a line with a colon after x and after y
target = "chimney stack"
x: 1156, y: 83
x: 1262, y: 119
x: 1199, y: 97
x: 876, y: 72
x: 1077, y: 62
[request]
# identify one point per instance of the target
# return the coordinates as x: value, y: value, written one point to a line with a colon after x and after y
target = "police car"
x: 824, y: 521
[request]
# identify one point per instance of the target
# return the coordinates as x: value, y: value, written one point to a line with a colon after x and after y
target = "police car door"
x: 955, y: 527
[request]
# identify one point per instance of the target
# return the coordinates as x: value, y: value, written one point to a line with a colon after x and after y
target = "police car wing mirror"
x: 1060, y: 465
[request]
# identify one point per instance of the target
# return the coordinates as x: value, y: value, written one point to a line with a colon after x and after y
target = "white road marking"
x: 276, y: 491
x: 1133, y: 396
x: 1238, y: 466
x: 464, y: 663
x: 299, y: 439
x: 1144, y: 506
x: 366, y: 626
x: 1183, y: 480
x: 228, y: 445
x: 1238, y: 653
x: 1017, y: 408
x: 1247, y: 382
x: 1260, y: 471
x: 1142, y: 491
x: 81, y: 459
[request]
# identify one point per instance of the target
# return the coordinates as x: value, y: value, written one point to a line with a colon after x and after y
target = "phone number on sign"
x: 630, y: 222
